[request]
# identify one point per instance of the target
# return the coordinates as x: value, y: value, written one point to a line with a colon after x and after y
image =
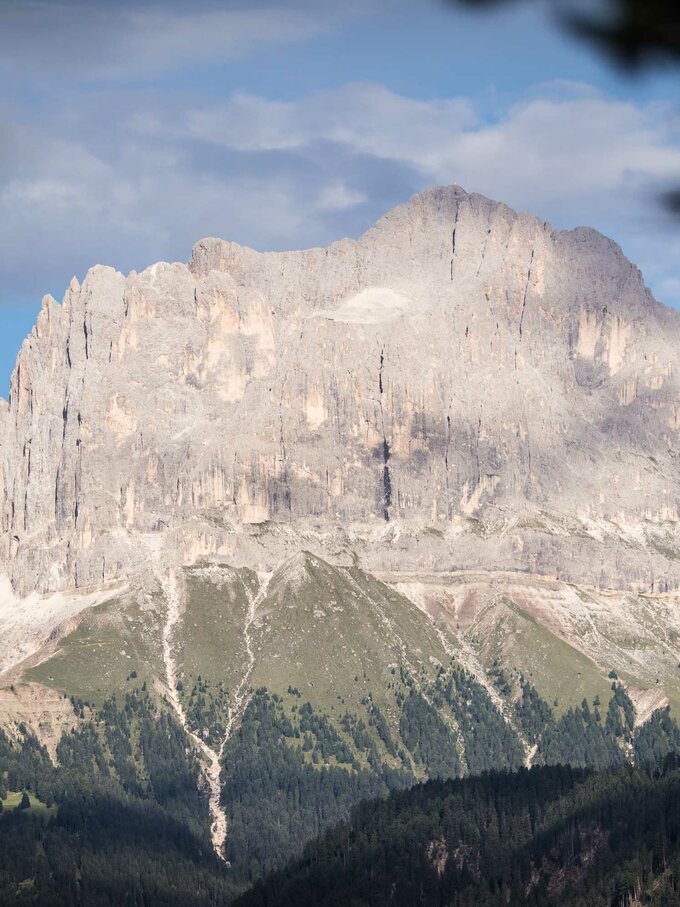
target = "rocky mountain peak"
x: 456, y: 368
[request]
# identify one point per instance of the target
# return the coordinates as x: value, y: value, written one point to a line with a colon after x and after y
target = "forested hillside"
x: 121, y: 820
x: 541, y: 837
x: 122, y: 817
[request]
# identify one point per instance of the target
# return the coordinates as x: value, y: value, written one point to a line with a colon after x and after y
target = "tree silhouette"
x: 633, y: 33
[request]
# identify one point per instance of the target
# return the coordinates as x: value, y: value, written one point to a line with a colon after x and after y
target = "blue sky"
x: 131, y: 130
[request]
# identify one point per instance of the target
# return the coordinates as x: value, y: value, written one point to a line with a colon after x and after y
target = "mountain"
x: 460, y: 368
x: 345, y: 520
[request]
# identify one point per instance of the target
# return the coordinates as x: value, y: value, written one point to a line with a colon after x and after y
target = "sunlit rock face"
x: 461, y: 387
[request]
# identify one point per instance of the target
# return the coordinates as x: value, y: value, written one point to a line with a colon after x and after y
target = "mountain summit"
x: 463, y: 378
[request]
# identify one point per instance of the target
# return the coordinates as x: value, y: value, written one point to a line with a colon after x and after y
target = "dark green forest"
x: 540, y: 837
x: 121, y: 817
x: 131, y: 826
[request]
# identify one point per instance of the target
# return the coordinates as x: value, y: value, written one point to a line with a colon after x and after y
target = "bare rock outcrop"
x: 461, y: 387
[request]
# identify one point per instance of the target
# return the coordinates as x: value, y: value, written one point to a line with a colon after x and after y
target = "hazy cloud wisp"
x: 279, y: 174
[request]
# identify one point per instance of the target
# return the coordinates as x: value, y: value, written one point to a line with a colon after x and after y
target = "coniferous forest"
x: 121, y: 820
x: 544, y: 836
x: 332, y: 809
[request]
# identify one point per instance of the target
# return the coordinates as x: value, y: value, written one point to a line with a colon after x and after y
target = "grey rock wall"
x: 461, y: 387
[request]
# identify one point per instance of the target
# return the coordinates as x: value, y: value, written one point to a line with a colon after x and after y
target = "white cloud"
x: 567, y: 145
x: 338, y: 196
x: 157, y: 41
x: 77, y: 39
x: 279, y: 174
x: 566, y: 150
x: 366, y: 117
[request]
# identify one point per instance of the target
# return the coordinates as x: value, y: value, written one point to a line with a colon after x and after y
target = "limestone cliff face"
x: 463, y: 386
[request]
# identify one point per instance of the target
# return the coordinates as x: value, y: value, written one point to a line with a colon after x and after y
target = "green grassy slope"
x: 210, y: 637
x: 506, y: 637
x: 209, y: 644
x: 114, y: 642
x: 37, y: 807
x: 339, y: 636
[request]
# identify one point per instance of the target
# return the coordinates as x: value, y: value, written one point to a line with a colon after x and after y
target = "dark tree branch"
x: 634, y: 33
